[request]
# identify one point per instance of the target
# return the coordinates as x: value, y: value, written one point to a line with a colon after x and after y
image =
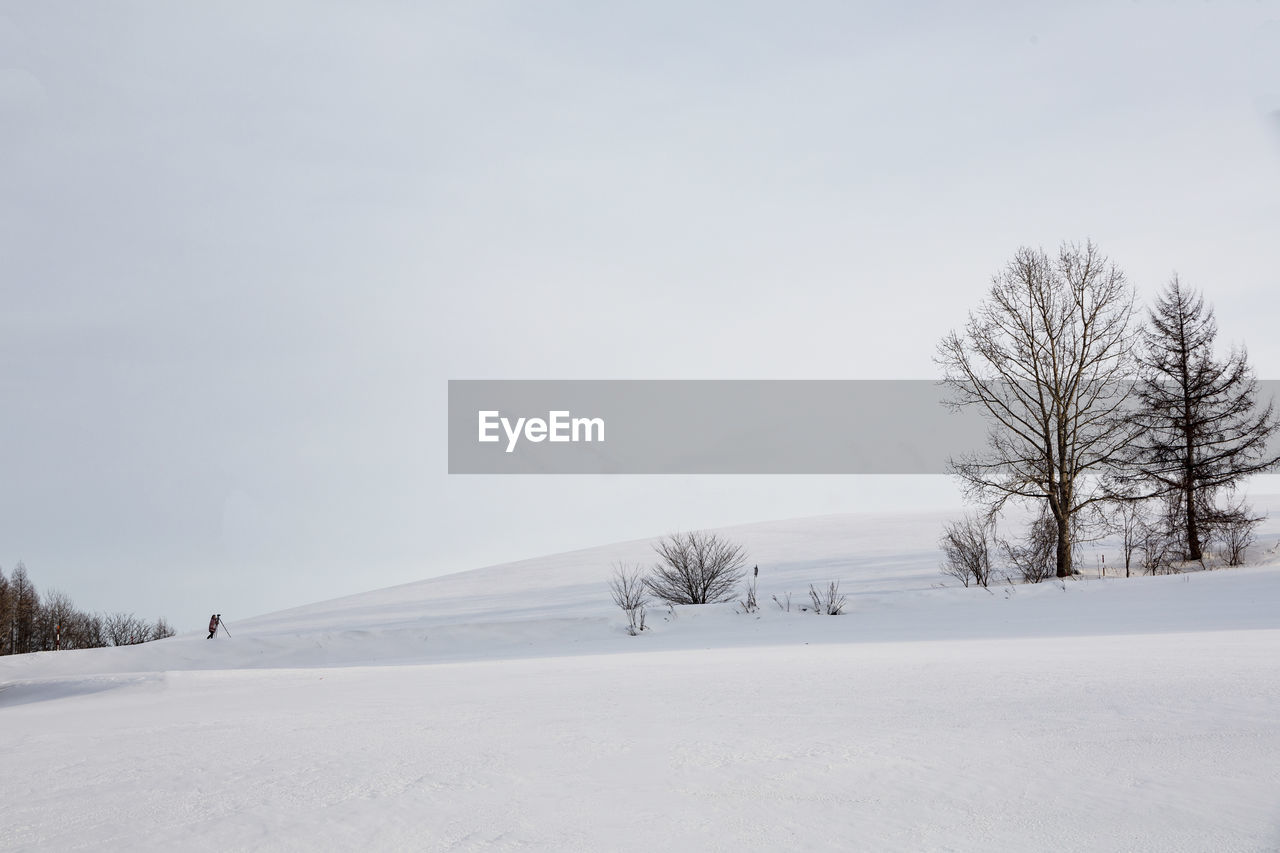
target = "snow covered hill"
x: 507, y: 708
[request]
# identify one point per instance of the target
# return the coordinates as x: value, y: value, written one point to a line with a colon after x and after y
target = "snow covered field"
x: 506, y: 708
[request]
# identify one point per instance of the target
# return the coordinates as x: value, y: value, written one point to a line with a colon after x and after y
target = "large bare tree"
x: 1048, y: 357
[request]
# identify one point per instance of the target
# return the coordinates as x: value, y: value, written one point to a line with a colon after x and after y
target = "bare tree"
x: 696, y: 568
x: 125, y: 629
x: 1201, y: 429
x: 82, y: 630
x: 1129, y: 522
x: 966, y: 550
x: 1048, y: 357
x: 90, y: 626
x: 630, y: 594
x: 162, y: 630
x: 57, y: 613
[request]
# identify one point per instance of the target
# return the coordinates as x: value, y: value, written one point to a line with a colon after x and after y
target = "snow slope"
x: 506, y: 708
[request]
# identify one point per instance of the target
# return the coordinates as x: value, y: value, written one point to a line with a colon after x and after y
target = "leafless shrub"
x: 1161, y: 538
x: 1034, y: 558
x: 696, y: 568
x: 1159, y: 549
x: 162, y: 629
x: 1236, y: 528
x: 829, y: 601
x: 1236, y: 539
x: 629, y: 593
x: 785, y: 604
x: 749, y: 603
x: 966, y: 550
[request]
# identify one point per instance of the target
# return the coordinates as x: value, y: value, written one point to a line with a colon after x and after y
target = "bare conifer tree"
x: 25, y: 611
x: 6, y: 614
x: 1201, y: 427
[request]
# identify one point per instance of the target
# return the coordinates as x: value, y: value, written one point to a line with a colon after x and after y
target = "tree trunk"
x: 1193, y: 523
x: 1064, y: 546
x: 1189, y: 449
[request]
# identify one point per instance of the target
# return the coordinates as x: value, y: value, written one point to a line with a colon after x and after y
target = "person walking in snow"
x: 214, y: 621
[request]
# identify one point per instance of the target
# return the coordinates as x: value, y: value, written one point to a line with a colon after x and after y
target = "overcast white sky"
x: 244, y: 246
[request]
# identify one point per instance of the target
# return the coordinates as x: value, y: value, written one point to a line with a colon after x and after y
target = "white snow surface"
x: 506, y: 708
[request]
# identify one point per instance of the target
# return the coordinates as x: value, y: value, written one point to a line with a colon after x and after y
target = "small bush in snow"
x: 629, y: 593
x: 829, y: 601
x: 966, y: 550
x: 696, y: 568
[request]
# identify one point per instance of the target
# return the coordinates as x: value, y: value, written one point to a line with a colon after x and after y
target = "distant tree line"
x: 35, y: 622
x: 1102, y: 422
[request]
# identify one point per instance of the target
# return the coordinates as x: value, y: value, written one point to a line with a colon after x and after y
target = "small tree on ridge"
x: 696, y: 568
